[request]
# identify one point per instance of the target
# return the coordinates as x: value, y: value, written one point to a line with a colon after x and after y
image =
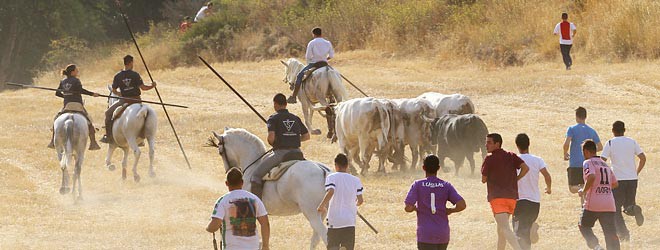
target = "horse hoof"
x: 64, y: 190
x: 316, y: 131
x: 152, y: 174
x: 111, y: 167
x: 123, y: 174
x: 136, y: 178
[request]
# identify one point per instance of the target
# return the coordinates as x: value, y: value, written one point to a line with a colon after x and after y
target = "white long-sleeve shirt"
x: 319, y: 49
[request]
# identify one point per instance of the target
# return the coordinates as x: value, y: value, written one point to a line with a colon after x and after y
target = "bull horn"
x: 284, y: 63
x: 427, y: 119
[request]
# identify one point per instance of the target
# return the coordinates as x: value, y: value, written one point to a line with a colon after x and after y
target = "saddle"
x: 279, y: 170
x: 317, y: 65
x: 75, y: 107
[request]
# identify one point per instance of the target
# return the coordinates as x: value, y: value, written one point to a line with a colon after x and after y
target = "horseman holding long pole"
x: 319, y: 51
x: 126, y: 83
x: 71, y: 91
x: 285, y: 133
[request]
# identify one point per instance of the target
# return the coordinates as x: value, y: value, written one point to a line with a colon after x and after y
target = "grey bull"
x: 458, y: 137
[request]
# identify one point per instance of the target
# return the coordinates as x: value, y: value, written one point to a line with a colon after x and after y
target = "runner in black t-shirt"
x: 130, y: 85
x: 285, y: 132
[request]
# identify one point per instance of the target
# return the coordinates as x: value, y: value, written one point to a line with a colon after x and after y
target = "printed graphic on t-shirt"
x: 242, y: 217
x: 288, y: 124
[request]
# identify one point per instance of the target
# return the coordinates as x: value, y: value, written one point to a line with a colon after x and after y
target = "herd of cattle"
x: 430, y: 123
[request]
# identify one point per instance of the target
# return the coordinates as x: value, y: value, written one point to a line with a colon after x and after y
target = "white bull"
x: 367, y: 125
x: 417, y: 116
x: 448, y: 104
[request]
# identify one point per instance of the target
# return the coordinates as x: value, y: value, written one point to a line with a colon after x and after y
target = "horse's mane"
x: 245, y: 136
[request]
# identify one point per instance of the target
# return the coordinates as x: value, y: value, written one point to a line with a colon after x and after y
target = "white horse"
x: 127, y: 134
x: 299, y: 189
x: 71, y: 133
x: 321, y: 85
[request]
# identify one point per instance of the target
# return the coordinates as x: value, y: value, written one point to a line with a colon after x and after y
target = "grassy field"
x: 171, y: 210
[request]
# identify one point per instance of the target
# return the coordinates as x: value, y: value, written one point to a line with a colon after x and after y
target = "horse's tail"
x: 68, y: 143
x: 337, y: 87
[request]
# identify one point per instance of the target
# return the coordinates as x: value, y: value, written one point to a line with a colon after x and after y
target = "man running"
x: 499, y: 171
x: 428, y: 197
x: 285, y: 133
x: 598, y: 199
x: 237, y: 213
x: 127, y: 83
x: 575, y: 136
x: 566, y: 32
x: 343, y: 193
x: 622, y: 151
x: 529, y: 196
x: 319, y: 51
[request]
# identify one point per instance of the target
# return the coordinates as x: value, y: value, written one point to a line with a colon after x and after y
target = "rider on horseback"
x: 319, y: 51
x: 285, y: 132
x: 129, y: 84
x: 71, y: 90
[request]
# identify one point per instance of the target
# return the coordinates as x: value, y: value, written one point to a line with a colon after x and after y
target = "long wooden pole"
x: 342, y: 76
x: 118, y: 97
x: 152, y: 80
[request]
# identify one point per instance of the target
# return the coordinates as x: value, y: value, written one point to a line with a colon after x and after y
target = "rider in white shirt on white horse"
x: 319, y: 51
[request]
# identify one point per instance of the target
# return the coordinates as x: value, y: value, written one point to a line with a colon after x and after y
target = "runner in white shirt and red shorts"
x: 344, y: 195
x: 529, y: 196
x: 621, y: 150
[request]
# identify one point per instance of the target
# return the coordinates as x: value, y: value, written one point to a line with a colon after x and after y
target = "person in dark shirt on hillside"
x: 499, y: 171
x: 129, y: 84
x: 71, y: 90
x: 285, y: 132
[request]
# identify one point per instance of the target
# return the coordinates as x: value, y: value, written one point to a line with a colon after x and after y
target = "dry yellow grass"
x: 171, y: 211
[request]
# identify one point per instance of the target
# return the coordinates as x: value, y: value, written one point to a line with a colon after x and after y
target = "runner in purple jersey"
x: 428, y: 197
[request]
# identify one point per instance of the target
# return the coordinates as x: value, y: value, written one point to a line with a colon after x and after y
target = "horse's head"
x: 112, y: 94
x: 291, y: 69
x: 237, y: 146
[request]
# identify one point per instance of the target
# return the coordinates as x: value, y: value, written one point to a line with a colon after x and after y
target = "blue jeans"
x: 302, y: 73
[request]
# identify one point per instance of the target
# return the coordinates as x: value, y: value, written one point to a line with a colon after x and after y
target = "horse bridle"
x: 222, y: 152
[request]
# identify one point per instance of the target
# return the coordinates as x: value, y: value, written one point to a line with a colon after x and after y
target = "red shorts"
x: 503, y: 205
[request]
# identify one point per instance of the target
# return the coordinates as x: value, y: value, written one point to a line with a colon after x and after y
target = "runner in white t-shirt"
x: 237, y: 212
x: 621, y: 150
x: 529, y: 196
x: 344, y: 193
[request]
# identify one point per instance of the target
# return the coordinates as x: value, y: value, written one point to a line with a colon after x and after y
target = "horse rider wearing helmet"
x: 129, y: 84
x: 319, y: 51
x: 285, y: 132
x: 71, y: 90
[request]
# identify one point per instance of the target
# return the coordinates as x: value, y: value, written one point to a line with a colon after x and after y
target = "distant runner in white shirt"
x: 319, y: 51
x: 237, y: 213
x: 529, y: 196
x: 344, y: 193
x: 566, y: 32
x: 621, y: 150
x: 205, y: 11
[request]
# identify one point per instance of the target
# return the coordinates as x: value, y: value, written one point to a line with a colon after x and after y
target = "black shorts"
x: 575, y: 176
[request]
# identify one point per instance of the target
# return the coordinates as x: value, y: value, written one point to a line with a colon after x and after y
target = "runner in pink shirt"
x: 598, y: 199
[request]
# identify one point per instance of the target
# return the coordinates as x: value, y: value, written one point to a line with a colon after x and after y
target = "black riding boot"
x: 92, y: 138
x: 107, y: 138
x: 257, y: 188
x: 292, y: 98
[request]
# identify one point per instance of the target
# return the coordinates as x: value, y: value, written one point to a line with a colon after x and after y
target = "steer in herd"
x: 417, y: 116
x: 364, y: 126
x: 459, y: 137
